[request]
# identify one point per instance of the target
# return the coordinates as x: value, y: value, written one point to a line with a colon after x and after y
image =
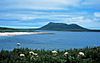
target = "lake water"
x: 58, y: 40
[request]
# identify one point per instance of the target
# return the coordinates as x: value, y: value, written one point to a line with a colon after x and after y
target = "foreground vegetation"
x: 25, y: 55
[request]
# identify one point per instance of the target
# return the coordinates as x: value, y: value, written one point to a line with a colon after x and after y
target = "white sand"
x: 20, y: 33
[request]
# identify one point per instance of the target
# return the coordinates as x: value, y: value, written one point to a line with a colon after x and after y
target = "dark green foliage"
x: 92, y: 55
x: 4, y: 29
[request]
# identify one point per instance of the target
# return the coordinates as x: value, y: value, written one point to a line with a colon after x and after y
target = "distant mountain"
x: 63, y: 27
x: 51, y: 26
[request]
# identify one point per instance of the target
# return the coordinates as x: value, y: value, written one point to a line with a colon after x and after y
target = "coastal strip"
x: 21, y: 33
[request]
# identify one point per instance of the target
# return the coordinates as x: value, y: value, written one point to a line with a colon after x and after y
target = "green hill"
x: 63, y: 27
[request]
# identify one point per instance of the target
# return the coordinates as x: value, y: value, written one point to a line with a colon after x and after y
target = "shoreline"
x: 20, y: 33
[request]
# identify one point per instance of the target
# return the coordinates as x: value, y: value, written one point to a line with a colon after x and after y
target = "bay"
x: 58, y: 40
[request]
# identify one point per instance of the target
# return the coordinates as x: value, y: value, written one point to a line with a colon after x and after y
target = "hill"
x: 51, y: 26
x: 63, y: 27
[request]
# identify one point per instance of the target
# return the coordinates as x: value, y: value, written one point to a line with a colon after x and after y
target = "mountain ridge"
x: 51, y: 27
x: 63, y: 27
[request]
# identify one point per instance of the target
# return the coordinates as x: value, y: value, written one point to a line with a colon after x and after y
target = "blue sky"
x: 36, y: 13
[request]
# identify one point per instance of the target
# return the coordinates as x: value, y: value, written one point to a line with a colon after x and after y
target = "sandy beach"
x: 20, y: 33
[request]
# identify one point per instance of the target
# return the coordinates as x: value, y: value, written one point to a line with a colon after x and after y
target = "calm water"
x: 58, y: 40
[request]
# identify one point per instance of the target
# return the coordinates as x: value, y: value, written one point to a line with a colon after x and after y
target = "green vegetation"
x: 4, y: 29
x: 25, y: 55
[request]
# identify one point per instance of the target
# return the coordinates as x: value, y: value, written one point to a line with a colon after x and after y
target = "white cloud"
x: 68, y: 11
x: 26, y: 18
x: 91, y: 2
x: 40, y: 4
x: 78, y: 20
x: 20, y: 17
x: 94, y: 4
x: 97, y: 14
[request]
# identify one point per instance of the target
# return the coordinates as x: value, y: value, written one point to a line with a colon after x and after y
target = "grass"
x: 92, y: 55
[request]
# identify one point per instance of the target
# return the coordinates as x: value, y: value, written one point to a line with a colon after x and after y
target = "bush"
x: 92, y: 55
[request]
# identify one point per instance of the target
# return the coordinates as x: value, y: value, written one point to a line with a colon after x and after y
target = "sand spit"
x: 20, y: 33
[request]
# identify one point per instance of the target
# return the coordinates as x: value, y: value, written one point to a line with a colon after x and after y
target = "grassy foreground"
x: 23, y: 55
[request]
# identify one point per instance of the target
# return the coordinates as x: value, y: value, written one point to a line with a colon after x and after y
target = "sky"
x: 36, y: 13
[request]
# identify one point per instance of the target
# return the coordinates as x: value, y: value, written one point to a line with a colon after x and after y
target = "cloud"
x: 97, y: 14
x: 29, y: 13
x: 27, y: 18
x: 39, y: 4
x: 92, y: 4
